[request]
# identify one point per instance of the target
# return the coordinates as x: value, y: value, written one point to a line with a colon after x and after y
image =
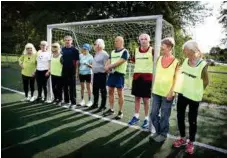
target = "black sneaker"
x: 38, y: 100
x: 109, y: 112
x: 94, y: 106
x: 101, y: 109
x: 119, y: 115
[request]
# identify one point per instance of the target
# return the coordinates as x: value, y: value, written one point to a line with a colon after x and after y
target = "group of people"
x: 108, y: 70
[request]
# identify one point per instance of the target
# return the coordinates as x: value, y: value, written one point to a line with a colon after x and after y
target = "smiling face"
x: 43, y: 47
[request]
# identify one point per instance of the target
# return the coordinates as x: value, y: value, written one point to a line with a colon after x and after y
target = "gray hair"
x: 100, y: 43
x: 68, y: 37
x: 192, y: 45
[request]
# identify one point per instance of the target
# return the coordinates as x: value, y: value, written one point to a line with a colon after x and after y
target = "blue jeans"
x: 161, y: 123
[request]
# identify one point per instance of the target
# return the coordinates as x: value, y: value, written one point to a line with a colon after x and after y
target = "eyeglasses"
x: 143, y: 39
x: 28, y: 48
x: 54, y: 46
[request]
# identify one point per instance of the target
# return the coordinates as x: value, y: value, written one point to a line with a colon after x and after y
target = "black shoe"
x: 38, y: 100
x: 109, y: 112
x: 119, y: 115
x: 101, y: 109
x: 94, y: 106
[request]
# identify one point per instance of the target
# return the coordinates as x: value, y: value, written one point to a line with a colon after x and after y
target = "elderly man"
x: 117, y: 65
x: 70, y: 57
x: 99, y: 79
x: 142, y: 78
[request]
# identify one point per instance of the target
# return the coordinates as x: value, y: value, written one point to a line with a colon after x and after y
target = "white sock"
x: 137, y: 115
x: 146, y: 118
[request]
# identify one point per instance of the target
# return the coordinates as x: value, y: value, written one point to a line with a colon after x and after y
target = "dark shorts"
x: 116, y: 80
x: 141, y: 88
x: 85, y: 78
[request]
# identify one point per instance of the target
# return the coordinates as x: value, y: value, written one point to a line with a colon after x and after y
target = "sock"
x: 137, y: 115
x: 82, y: 97
x: 89, y: 98
x: 146, y: 118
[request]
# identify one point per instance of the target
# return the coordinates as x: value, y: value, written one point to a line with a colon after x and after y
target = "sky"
x: 209, y: 33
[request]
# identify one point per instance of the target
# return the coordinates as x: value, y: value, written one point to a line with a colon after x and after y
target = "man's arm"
x: 123, y: 59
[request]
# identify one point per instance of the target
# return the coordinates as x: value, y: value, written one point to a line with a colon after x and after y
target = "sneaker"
x: 94, y: 106
x: 24, y: 99
x: 73, y: 106
x: 153, y: 135
x: 179, y: 142
x: 28, y: 98
x: 160, y: 138
x: 60, y: 103
x: 82, y: 103
x: 109, y: 112
x: 134, y: 121
x: 190, y: 148
x: 89, y: 104
x: 119, y: 115
x: 145, y: 124
x: 101, y: 109
x: 32, y: 99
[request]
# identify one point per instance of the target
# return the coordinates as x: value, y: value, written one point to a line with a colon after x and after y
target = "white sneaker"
x: 82, y: 103
x: 28, y: 98
x: 24, y: 99
x: 32, y: 99
x: 89, y: 104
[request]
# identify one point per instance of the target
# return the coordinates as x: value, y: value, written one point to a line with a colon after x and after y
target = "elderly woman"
x: 55, y: 71
x: 85, y: 71
x: 99, y: 79
x: 191, y: 83
x: 42, y: 70
x: 142, y: 79
x: 27, y: 63
x: 165, y: 77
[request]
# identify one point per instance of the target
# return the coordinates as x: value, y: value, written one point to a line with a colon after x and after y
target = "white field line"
x: 207, y: 146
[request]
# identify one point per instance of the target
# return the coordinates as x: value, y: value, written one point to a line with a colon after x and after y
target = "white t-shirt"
x: 43, y: 60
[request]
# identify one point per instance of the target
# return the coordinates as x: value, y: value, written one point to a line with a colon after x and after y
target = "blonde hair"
x: 44, y: 43
x: 193, y: 47
x: 29, y: 45
x: 58, y: 46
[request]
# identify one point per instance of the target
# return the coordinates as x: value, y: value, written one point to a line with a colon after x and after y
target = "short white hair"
x: 146, y: 35
x: 170, y: 40
x: 29, y: 45
x: 44, y: 43
x: 192, y: 45
x: 57, y: 45
x: 100, y: 43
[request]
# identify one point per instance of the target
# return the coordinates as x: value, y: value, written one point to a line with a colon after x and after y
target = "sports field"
x: 46, y: 130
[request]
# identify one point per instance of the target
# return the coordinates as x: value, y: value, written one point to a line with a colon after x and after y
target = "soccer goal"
x: 129, y: 27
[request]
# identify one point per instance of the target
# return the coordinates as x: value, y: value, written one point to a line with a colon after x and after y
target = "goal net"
x: 130, y: 28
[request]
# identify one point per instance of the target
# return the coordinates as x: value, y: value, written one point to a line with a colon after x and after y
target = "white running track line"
x: 125, y: 124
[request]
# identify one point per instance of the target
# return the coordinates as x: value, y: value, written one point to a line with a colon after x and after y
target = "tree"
x: 223, y: 20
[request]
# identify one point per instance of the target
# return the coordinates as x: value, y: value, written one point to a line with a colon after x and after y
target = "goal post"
x: 128, y: 27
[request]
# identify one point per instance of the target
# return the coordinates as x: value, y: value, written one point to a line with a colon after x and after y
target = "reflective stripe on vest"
x: 115, y: 57
x: 164, y: 78
x: 56, y: 66
x: 189, y: 82
x: 143, y: 61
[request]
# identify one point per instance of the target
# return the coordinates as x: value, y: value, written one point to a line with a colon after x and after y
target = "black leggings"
x: 41, y: 83
x: 192, y: 116
x: 57, y: 87
x: 26, y: 82
x: 99, y: 84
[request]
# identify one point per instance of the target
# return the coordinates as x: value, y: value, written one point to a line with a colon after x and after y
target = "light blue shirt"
x: 85, y: 59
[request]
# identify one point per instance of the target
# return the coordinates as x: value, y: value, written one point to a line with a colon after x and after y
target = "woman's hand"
x: 47, y: 73
x: 170, y: 95
x: 22, y: 66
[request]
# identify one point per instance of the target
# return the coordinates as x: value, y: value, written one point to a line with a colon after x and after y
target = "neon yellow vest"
x: 189, y: 82
x: 164, y: 78
x: 144, y: 61
x: 56, y: 66
x: 29, y: 63
x: 115, y: 57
